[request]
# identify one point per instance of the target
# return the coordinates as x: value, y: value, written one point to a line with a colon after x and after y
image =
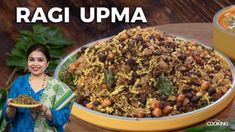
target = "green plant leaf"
x: 165, y: 86
x: 56, y: 46
x: 25, y: 39
x: 41, y: 39
x: 26, y: 33
x: 53, y: 33
x: 3, y: 96
x: 18, y: 52
x: 23, y: 43
x: 109, y: 78
x: 56, y: 53
x: 53, y: 64
x: 61, y: 41
x: 38, y: 29
x: 16, y: 61
x: 21, y: 46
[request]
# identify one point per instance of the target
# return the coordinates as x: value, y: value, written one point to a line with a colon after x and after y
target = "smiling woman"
x: 54, y: 96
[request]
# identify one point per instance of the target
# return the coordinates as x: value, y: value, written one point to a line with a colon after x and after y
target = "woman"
x: 53, y: 95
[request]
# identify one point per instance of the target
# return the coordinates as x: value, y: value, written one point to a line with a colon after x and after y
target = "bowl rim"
x: 228, y: 61
x: 216, y: 23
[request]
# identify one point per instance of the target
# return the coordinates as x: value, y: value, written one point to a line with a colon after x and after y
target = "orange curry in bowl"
x: 227, y: 21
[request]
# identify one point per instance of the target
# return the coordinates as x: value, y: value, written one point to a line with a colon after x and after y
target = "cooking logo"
x: 217, y: 122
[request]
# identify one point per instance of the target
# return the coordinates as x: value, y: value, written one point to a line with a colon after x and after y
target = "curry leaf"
x: 39, y: 29
x: 16, y: 61
x: 61, y: 41
x: 23, y: 42
x: 21, y: 46
x: 26, y: 33
x: 68, y: 79
x: 40, y: 39
x: 53, y: 33
x: 25, y: 39
x: 18, y: 52
x: 109, y: 77
x: 56, y: 46
x: 57, y: 53
x: 165, y: 86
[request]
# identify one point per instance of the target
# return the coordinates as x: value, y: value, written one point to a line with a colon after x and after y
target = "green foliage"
x: 109, y: 77
x: 49, y: 36
x: 3, y: 96
x: 209, y: 129
x: 165, y: 86
x: 3, y: 122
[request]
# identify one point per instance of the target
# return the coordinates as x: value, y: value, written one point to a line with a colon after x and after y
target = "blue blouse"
x: 23, y: 122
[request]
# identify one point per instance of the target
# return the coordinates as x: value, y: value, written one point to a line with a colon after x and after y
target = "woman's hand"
x: 11, y: 110
x: 45, y: 111
x: 42, y: 108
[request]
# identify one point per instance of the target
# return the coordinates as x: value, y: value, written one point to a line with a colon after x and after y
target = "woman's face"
x: 37, y: 63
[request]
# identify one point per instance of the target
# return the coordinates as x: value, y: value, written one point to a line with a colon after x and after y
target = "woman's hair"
x: 39, y: 47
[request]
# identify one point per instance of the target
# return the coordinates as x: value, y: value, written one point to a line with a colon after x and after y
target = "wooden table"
x: 201, y: 32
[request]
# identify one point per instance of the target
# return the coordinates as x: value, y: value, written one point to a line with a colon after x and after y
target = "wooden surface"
x: 158, y: 12
x: 195, y: 31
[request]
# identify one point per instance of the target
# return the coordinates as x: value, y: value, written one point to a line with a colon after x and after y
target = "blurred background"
x: 157, y: 12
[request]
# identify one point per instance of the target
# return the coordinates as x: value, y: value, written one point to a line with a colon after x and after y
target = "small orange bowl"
x: 223, y: 37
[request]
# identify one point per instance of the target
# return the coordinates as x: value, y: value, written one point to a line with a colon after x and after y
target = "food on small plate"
x: 24, y: 100
x: 146, y: 73
x: 227, y: 21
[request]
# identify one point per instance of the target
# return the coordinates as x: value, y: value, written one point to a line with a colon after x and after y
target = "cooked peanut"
x: 110, y: 55
x: 90, y: 105
x: 171, y: 98
x: 72, y: 66
x: 140, y: 114
x: 219, y: 92
x: 123, y: 36
x: 154, y: 104
x: 204, y: 85
x: 103, y: 85
x: 167, y: 109
x: 111, y: 67
x: 199, y: 93
x: 227, y: 86
x: 188, y: 52
x: 106, y: 102
x: 196, y: 56
x: 156, y: 35
x: 162, y: 65
x: 157, y: 112
x: 181, y: 98
x: 128, y: 55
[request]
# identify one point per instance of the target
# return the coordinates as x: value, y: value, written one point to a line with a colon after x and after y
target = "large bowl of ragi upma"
x: 145, y: 80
